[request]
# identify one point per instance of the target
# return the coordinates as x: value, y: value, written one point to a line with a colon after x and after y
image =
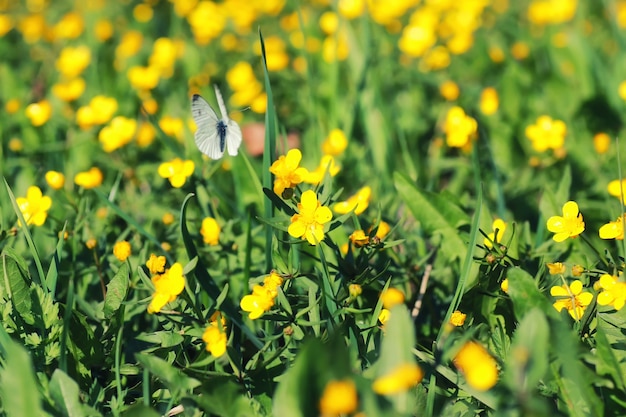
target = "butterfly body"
x: 214, y: 136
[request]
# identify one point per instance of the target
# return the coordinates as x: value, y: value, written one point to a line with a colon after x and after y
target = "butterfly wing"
x: 233, y: 137
x: 207, y: 136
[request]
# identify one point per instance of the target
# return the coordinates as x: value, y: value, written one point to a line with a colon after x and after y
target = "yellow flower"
x: 6, y: 24
x: 621, y: 90
x: 33, y: 27
x: 498, y: 226
x: 460, y: 128
x: 504, y: 285
x: 613, y: 292
x: 167, y: 287
x: 489, y: 101
x: 359, y: 238
x: 39, y: 113
x: 257, y: 303
x: 351, y: 9
x: 103, y: 30
x: 240, y: 76
x: 569, y: 225
x: 577, y: 270
x: 546, y: 133
x: 355, y: 290
x: 89, y: 179
x: 164, y: 55
x: 73, y: 60
x: 117, y: 133
x: 400, y: 379
x: 478, y: 366
x: 571, y: 298
x: 275, y: 54
x: 99, y: 111
x: 207, y: 21
x: 121, y: 250
x: 335, y: 143
x: 12, y: 106
x: 172, y: 126
x: 339, y: 397
x: 16, y: 145
x: 417, y: 38
x: 601, y: 143
x: 215, y: 336
x: 327, y: 163
x: 556, y: 268
x: 34, y: 206
x: 167, y: 219
x: 392, y: 297
x: 613, y: 230
x: 616, y: 191
x: 145, y: 134
x: 91, y: 243
x: 71, y: 26
x: 358, y: 202
x: 156, y: 264
x: 544, y: 12
x: 69, y: 90
x: 129, y: 45
x: 384, y: 316
x: 55, y: 179
x: 210, y: 231
x: 458, y: 318
x: 176, y: 171
x: 520, y: 50
x: 335, y: 48
x: 329, y: 22
x: 309, y: 222
x: 287, y: 172
x: 143, y: 12
x: 449, y: 90
x: 143, y: 78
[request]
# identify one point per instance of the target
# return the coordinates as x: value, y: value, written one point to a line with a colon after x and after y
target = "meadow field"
x: 425, y: 215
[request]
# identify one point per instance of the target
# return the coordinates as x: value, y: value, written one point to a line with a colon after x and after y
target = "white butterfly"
x: 214, y: 135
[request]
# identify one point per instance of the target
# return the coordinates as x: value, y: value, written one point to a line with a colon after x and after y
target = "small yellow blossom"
x: 520, y: 50
x: 546, y: 133
x: 556, y: 268
x: 327, y: 163
x: 12, y: 106
x: 392, y: 297
x: 103, y: 30
x: 143, y: 12
x: 73, y: 60
x: 55, y: 179
x: 167, y: 287
x: 335, y: 143
x: 172, y: 126
x: 460, y: 128
x: 335, y: 48
x: 358, y: 202
x: 89, y: 179
x: 601, y: 143
x: 287, y: 171
x: 569, y: 225
x: 400, y: 379
x: 613, y: 292
x: 616, y: 191
x: 215, y: 336
x: 69, y: 90
x: 621, y: 90
x: 143, y: 78
x: 210, y: 231
x: 449, y: 90
x: 176, y: 171
x: 499, y: 227
x: 359, y: 238
x: 121, y: 250
x: 338, y: 398
x: 577, y: 270
x: 329, y: 22
x: 458, y: 318
x: 355, y: 290
x: 156, y: 264
x: 504, y: 285
x: 145, y: 134
x: 91, y: 243
x: 571, y: 297
x: 34, y: 206
x: 384, y: 316
x: 71, y: 26
x: 39, y: 113
x: 309, y: 222
x: 613, y: 230
x: 257, y: 303
x: 167, y: 219
x: 16, y: 145
x: 478, y: 366
x: 489, y: 101
x: 117, y: 133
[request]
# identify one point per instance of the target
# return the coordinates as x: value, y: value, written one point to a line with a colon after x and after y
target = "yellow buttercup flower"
x: 287, y: 171
x: 392, y: 297
x: 571, y: 297
x: 167, y: 287
x: 460, y: 128
x: 55, y: 179
x: 176, y: 171
x: 39, y: 113
x: 73, y: 60
x: 458, y: 318
x: 359, y: 238
x: 384, y: 316
x: 400, y: 379
x: 489, y: 101
x: 601, y: 143
x: 122, y: 250
x: 613, y: 292
x: 335, y: 143
x: 89, y: 179
x: 478, y: 366
x: 358, y: 202
x: 71, y: 26
x: 617, y: 189
x: 215, y: 335
x: 172, y: 126
x: 156, y: 264
x: 210, y: 231
x: 613, y: 230
x: 338, y: 398
x: 498, y: 226
x: 327, y: 163
x: 69, y: 90
x: 309, y: 222
x: 449, y: 90
x: 556, y: 268
x: 546, y: 133
x: 34, y: 206
x: 144, y: 78
x: 257, y: 303
x: 117, y: 133
x: 569, y: 225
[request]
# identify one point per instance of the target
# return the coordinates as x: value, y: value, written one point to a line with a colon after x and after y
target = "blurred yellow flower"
x: 164, y: 54
x: 176, y: 171
x: 143, y: 12
x: 416, y: 39
x: 6, y: 24
x: 496, y: 54
x: 613, y: 292
x: 601, y: 143
x: 156, y: 264
x: 129, y: 45
x: 71, y: 26
x: 571, y: 297
x: 504, y: 285
x: 91, y: 243
x: 357, y: 202
x: 103, y: 30
x: 359, y: 238
x: 545, y: 12
x: 458, y: 318
x: 262, y: 297
x: 449, y: 90
x: 39, y: 113
x: 287, y: 171
x: 355, y: 290
x: 183, y: 7
x: 145, y: 134
x: 167, y: 287
x: 215, y: 338
x: 546, y: 133
x: 16, y: 145
x: 143, y: 78
x: 520, y: 50
x: 400, y: 379
x: 383, y: 229
x: 478, y: 366
x: 351, y: 9
x: 89, y: 179
x: 309, y: 222
x: 210, y: 231
x: 207, y: 21
x: 275, y: 53
x: 240, y: 76
x: 335, y: 143
x: 117, y: 133
x: 384, y: 316
x: 72, y: 61
x: 69, y: 90
x: 616, y: 191
x: 172, y: 126
x: 338, y: 398
x: 577, y: 270
x: 498, y: 225
x: 122, y: 250
x: 329, y: 22
x: 55, y: 179
x: 327, y: 163
x: 569, y: 225
x: 34, y: 206
x: 489, y: 101
x: 12, y: 106
x: 435, y: 59
x: 99, y: 111
x: 556, y: 268
x: 613, y: 230
x: 335, y: 48
x: 392, y: 297
x: 460, y: 128
x: 32, y: 27
x: 167, y: 219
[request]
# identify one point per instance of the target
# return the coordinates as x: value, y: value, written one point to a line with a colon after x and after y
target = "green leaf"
x: 609, y: 337
x: 19, y: 391
x: 65, y: 393
x: 437, y: 214
x: 172, y: 377
x: 140, y: 410
x: 116, y: 291
x: 222, y: 396
x: 16, y: 283
x: 525, y: 295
